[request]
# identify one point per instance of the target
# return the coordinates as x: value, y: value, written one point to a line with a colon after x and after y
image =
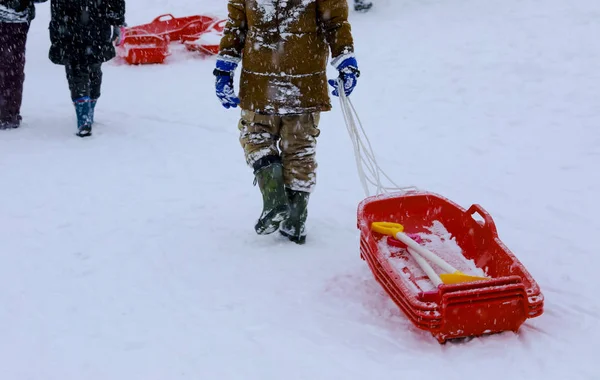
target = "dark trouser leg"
x: 95, y: 87
x: 84, y: 80
x: 79, y: 80
x: 95, y: 81
x: 78, y: 77
x: 13, y: 38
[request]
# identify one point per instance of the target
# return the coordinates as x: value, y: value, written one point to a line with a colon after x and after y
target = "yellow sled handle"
x: 387, y: 228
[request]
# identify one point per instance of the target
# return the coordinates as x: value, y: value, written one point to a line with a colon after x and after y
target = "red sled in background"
x: 150, y: 43
x: 502, y: 302
x: 172, y: 28
x: 206, y: 42
x: 141, y: 48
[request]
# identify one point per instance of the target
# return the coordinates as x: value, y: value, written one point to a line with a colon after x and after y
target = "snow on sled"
x: 473, y: 286
x: 149, y: 43
x: 207, y: 41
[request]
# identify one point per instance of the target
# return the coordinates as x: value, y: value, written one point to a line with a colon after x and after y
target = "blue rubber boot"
x: 83, y: 109
x: 92, y: 109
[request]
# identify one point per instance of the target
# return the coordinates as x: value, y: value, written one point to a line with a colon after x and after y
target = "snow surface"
x: 131, y: 255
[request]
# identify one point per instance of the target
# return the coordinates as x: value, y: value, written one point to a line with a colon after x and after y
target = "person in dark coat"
x: 15, y: 18
x: 82, y: 36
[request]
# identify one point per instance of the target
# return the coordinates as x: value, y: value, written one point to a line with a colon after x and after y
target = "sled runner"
x: 490, y: 292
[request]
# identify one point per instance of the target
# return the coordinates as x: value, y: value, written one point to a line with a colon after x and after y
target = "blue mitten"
x: 349, y: 73
x: 224, y: 83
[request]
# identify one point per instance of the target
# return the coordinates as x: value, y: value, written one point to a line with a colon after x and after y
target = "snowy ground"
x: 131, y: 255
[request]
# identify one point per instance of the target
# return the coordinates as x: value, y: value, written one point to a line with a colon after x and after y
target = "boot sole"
x: 84, y: 132
x: 270, y: 222
x: 293, y: 238
x: 363, y: 9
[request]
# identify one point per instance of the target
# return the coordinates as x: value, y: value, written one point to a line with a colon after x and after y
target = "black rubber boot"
x: 294, y: 227
x: 275, y: 202
x: 362, y: 5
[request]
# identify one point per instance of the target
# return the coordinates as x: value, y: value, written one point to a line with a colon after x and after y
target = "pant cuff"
x: 301, y: 185
x: 264, y: 162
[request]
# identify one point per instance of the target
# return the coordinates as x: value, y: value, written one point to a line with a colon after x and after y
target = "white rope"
x: 369, y: 172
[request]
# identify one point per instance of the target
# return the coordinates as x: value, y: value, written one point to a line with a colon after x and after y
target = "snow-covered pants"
x: 13, y: 37
x: 84, y: 80
x: 293, y: 138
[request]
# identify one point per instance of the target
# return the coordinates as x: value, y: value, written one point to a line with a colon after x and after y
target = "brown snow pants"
x: 13, y: 37
x: 293, y: 138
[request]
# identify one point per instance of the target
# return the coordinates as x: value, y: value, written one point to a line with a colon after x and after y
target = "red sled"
x: 172, y: 28
x: 450, y: 311
x: 206, y: 42
x: 149, y: 43
x: 143, y: 48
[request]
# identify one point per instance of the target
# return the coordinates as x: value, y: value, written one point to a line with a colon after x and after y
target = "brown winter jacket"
x: 284, y: 45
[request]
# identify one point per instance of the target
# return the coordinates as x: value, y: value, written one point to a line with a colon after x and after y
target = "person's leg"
x: 13, y: 39
x: 298, y: 152
x: 78, y: 77
x: 258, y: 136
x: 95, y: 87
